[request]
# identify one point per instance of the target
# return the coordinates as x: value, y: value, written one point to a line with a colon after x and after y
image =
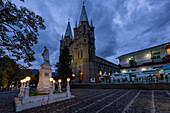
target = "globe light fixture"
x: 28, y: 78
x: 68, y: 79
x: 21, y: 81
x: 54, y: 81
x: 73, y: 75
x: 59, y: 80
x: 124, y: 71
x: 51, y: 79
x: 24, y: 80
x: 143, y: 69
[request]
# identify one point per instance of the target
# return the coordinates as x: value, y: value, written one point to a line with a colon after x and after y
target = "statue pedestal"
x: 44, y: 76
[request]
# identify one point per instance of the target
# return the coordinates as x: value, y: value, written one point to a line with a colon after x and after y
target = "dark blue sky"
x: 121, y: 26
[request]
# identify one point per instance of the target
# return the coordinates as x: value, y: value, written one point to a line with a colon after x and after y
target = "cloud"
x: 121, y: 26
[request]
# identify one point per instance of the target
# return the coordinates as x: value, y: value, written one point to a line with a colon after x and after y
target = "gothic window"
x: 81, y: 54
x: 84, y: 28
x: 91, y: 52
x: 78, y: 55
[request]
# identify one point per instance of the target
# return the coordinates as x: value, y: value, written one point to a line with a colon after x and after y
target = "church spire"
x: 91, y: 23
x: 83, y: 16
x: 62, y: 37
x: 76, y: 24
x: 68, y: 30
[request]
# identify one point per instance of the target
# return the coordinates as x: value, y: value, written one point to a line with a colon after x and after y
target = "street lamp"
x: 21, y: 89
x: 51, y: 80
x: 27, y: 80
x: 68, y: 79
x: 24, y: 82
x: 59, y: 85
x: 73, y: 75
x: 53, y: 85
x: 68, y: 88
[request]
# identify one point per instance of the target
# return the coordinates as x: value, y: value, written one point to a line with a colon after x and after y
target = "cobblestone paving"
x: 100, y: 101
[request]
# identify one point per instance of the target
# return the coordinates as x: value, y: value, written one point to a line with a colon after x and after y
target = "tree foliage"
x: 11, y: 71
x: 18, y: 31
x: 64, y: 65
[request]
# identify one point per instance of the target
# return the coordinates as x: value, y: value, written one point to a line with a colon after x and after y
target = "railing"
x: 144, y: 62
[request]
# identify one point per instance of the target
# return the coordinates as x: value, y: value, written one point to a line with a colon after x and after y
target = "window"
x: 84, y: 28
x: 78, y: 55
x: 168, y: 51
x: 156, y: 57
x: 81, y: 54
x: 84, y: 40
x: 100, y: 72
x: 131, y: 61
x: 91, y: 53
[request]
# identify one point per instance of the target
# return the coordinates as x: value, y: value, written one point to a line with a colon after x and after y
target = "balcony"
x: 145, y: 63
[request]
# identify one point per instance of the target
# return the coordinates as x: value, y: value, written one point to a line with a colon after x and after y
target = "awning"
x: 167, y: 67
x: 150, y: 71
x: 132, y: 73
x: 105, y: 75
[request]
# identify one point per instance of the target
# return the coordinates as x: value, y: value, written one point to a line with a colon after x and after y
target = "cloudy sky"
x: 121, y: 26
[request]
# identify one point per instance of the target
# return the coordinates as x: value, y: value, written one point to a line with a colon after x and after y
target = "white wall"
x: 143, y: 57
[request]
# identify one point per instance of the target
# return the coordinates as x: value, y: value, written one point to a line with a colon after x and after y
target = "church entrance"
x: 81, y: 77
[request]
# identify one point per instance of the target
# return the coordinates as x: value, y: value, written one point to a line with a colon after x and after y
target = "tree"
x: 64, y: 65
x: 11, y: 71
x: 18, y: 31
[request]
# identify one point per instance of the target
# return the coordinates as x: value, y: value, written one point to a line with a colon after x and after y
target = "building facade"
x: 85, y: 64
x: 150, y: 58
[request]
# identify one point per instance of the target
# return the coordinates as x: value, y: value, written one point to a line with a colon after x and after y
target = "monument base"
x: 36, y: 101
x: 44, y: 76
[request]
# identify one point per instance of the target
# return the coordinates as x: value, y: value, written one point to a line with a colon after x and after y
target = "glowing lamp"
x: 21, y: 81
x: 59, y: 80
x: 68, y: 79
x: 28, y: 78
x: 73, y: 75
x: 100, y: 73
x: 24, y: 80
x: 124, y: 71
x: 51, y: 79
x: 143, y: 69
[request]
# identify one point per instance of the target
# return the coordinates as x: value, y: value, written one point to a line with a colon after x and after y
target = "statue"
x: 46, y: 56
x: 45, y: 73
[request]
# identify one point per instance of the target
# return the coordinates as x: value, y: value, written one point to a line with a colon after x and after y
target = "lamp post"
x: 26, y: 90
x: 59, y: 86
x: 27, y: 80
x: 51, y: 87
x: 68, y: 93
x: 21, y: 88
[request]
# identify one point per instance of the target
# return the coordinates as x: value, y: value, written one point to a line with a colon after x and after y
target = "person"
x: 46, y: 56
x: 166, y: 77
x: 133, y: 78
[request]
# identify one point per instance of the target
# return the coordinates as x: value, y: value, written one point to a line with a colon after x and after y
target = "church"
x: 86, y: 66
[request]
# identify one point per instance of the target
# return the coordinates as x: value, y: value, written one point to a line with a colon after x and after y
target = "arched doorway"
x: 81, y: 77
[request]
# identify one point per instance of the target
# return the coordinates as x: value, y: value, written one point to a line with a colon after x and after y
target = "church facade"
x: 85, y: 64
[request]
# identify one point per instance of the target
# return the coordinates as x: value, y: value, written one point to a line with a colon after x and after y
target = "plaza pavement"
x: 100, y: 101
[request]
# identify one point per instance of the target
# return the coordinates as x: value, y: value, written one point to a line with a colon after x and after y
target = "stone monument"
x: 45, y: 73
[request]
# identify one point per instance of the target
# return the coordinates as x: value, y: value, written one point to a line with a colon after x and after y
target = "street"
x: 100, y: 101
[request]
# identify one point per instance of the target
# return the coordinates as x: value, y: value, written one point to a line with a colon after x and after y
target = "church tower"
x: 84, y: 49
x: 68, y: 38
